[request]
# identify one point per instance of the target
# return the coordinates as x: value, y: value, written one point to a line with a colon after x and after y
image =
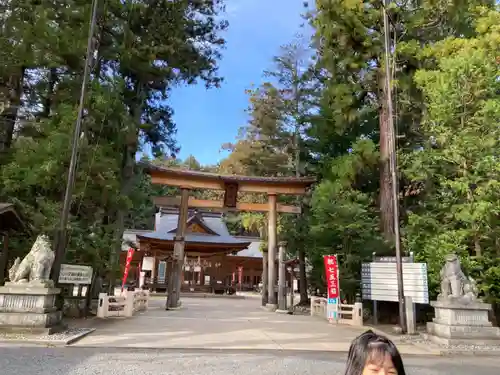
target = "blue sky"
x: 208, y: 118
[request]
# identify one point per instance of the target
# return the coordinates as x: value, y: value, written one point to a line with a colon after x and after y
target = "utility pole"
x: 393, y: 164
x: 60, y: 237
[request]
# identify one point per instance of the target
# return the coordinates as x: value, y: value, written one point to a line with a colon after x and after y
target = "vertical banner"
x: 240, y: 275
x: 130, y: 255
x: 332, y: 283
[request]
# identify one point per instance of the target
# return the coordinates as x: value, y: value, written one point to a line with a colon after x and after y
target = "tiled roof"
x: 166, y: 224
x: 252, y: 251
x: 195, y: 238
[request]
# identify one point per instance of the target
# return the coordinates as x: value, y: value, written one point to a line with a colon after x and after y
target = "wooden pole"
x: 179, y: 247
x: 264, y: 278
x: 4, y: 255
x: 271, y: 251
x: 60, y: 237
x: 393, y: 165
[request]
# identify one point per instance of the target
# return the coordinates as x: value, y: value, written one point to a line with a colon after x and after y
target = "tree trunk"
x: 47, y: 102
x: 385, y: 198
x: 127, y: 180
x: 13, y: 90
x: 304, y: 298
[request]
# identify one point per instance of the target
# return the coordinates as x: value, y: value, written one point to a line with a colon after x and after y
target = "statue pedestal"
x: 458, y: 323
x: 26, y: 308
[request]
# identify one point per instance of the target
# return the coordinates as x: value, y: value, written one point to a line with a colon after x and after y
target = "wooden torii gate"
x: 187, y: 180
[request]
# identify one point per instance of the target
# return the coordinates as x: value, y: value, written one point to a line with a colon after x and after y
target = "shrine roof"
x: 252, y: 251
x: 167, y: 221
x: 195, y: 238
x: 217, y: 232
x: 9, y: 218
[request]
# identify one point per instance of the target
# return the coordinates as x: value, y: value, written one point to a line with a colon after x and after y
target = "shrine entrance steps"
x: 217, y: 323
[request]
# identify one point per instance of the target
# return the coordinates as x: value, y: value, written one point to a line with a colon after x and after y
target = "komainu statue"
x: 35, y: 267
x: 454, y: 284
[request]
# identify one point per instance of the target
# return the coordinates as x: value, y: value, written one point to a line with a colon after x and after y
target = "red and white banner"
x: 332, y: 276
x: 130, y: 255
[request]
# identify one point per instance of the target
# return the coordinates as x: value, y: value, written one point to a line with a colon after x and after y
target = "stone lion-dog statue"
x: 36, y: 266
x: 454, y: 284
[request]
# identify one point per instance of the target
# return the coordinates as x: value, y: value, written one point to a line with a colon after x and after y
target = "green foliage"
x: 458, y: 166
x: 142, y: 50
x: 345, y: 216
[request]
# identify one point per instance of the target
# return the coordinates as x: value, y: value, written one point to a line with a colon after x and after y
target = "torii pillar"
x: 271, y: 254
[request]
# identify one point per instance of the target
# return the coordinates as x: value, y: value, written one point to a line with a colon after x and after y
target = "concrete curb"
x: 470, y: 353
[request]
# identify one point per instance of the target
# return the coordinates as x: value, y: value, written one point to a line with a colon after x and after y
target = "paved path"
x: 220, y: 323
x: 102, y: 361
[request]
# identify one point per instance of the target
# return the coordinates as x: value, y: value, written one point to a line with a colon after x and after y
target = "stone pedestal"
x: 457, y: 323
x: 26, y: 308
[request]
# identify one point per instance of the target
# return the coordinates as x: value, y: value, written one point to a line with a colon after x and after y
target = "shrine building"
x: 214, y: 259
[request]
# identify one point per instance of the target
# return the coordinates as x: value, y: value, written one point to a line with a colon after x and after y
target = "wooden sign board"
x: 230, y: 195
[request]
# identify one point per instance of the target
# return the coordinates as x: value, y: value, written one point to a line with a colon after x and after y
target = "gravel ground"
x: 86, y: 361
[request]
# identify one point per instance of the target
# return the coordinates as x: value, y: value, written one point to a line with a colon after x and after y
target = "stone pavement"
x: 217, y: 323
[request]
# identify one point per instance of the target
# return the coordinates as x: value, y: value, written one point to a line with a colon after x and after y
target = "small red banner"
x: 130, y: 255
x: 332, y: 276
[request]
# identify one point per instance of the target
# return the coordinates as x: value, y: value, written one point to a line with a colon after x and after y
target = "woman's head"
x: 372, y: 354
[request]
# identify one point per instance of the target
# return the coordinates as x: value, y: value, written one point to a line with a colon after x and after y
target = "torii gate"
x: 187, y: 180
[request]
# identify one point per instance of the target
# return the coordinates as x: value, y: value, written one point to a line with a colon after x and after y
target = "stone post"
x: 411, y: 321
x: 357, y: 314
x: 128, y: 309
x: 103, y: 306
x: 264, y: 278
x: 290, y: 303
x: 271, y: 252
x: 282, y: 278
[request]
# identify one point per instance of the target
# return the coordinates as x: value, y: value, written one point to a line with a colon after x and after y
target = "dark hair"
x: 370, y: 347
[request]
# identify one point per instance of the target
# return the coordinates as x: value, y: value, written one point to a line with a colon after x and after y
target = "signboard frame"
x: 415, y: 281
x: 75, y: 268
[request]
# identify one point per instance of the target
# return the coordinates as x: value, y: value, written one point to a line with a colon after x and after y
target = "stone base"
x: 13, y: 329
x: 457, y: 323
x: 29, y: 309
x: 271, y: 307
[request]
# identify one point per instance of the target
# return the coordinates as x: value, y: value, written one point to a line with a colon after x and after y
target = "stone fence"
x: 124, y: 305
x: 347, y: 314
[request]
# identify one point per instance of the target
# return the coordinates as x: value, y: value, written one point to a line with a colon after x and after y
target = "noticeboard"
x: 379, y: 282
x: 75, y: 274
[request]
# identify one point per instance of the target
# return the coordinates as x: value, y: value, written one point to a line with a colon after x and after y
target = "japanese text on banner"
x: 331, y: 271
